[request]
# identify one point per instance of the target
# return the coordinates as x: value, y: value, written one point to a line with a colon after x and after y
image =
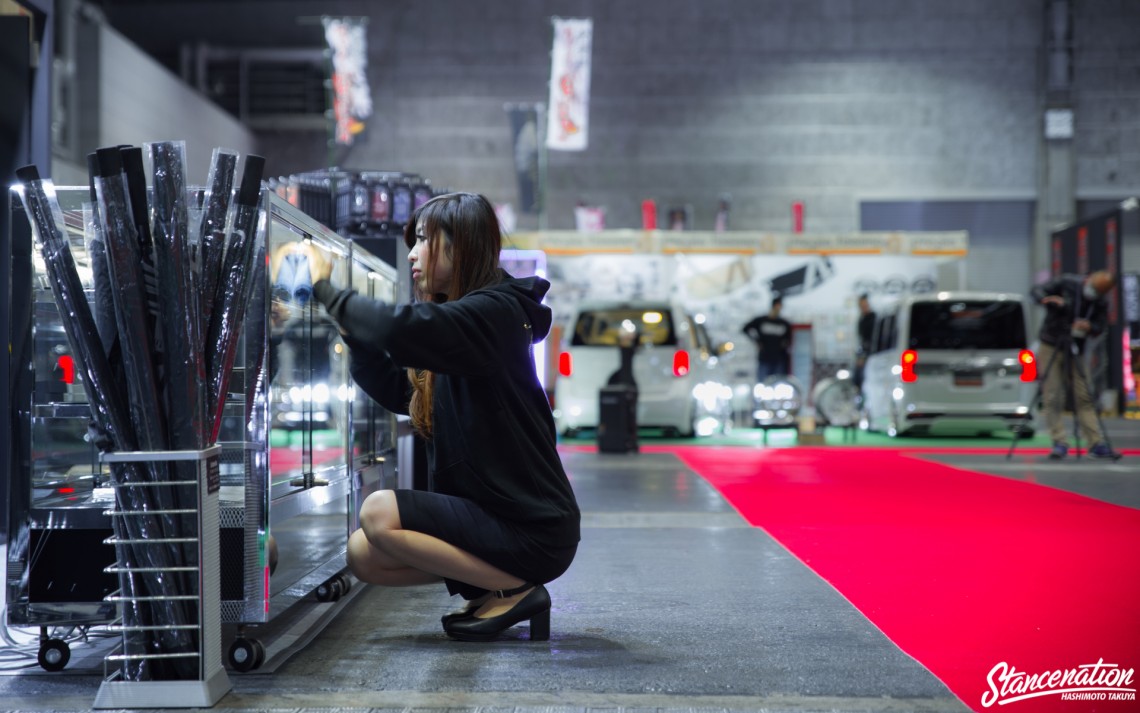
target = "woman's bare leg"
x: 403, y: 557
x: 373, y: 566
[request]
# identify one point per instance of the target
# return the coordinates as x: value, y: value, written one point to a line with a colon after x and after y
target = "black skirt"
x: 501, y: 543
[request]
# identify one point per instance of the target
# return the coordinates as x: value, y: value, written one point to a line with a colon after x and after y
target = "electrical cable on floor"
x: 16, y: 655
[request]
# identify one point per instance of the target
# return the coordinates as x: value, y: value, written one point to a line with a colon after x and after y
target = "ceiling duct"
x: 266, y: 89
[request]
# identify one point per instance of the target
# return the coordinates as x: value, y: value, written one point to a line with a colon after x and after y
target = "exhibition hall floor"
x: 874, y: 576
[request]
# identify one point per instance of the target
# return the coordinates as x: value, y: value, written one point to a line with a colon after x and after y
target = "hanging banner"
x: 352, y: 98
x: 524, y: 135
x: 569, y: 109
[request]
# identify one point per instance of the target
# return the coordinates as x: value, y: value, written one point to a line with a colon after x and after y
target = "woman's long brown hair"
x: 465, y: 225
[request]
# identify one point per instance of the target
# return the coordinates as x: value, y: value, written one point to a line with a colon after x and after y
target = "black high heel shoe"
x: 467, y: 610
x: 535, y: 606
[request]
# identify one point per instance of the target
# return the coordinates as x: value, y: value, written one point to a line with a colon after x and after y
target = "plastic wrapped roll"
x: 257, y: 376
x: 135, y: 175
x: 179, y: 312
x: 235, y: 289
x: 108, y: 409
x: 107, y: 406
x: 104, y: 303
x: 144, y: 397
x: 124, y: 269
x: 212, y: 231
x: 180, y: 317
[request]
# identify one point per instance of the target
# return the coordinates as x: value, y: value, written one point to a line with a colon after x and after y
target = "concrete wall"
x: 771, y: 101
x: 829, y: 102
x: 126, y: 97
x: 1107, y: 98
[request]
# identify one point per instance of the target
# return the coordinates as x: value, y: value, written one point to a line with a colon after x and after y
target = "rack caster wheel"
x: 330, y: 591
x: 246, y: 654
x: 54, y: 654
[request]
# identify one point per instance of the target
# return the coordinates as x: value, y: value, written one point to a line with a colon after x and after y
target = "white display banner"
x: 569, y: 110
x: 352, y: 96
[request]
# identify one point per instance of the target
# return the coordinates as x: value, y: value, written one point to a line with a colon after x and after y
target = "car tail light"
x: 680, y: 362
x: 565, y: 364
x: 67, y: 366
x: 909, y: 358
x: 1028, y: 365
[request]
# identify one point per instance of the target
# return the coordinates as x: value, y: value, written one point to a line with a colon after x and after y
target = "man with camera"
x: 1076, y: 309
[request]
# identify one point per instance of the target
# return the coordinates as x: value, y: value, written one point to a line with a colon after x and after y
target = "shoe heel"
x: 540, y: 626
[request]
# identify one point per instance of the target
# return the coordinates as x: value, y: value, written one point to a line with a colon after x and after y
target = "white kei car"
x: 951, y: 362
x: 682, y: 387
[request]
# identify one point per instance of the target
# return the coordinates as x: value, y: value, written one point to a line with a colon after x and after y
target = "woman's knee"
x: 379, y: 513
x: 357, y: 556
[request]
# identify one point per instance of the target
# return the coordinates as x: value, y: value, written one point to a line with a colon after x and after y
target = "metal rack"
x: 211, y: 682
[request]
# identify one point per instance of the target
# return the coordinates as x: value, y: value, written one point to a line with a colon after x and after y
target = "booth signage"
x: 558, y: 242
x: 569, y: 109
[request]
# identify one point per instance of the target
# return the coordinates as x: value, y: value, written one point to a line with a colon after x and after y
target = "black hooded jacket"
x: 1055, y: 330
x: 493, y: 436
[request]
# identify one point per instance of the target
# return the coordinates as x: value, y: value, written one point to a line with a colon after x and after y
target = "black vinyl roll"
x: 97, y: 253
x: 178, y: 300
x: 233, y: 294
x: 129, y: 293
x: 212, y: 231
x: 135, y: 174
x: 108, y: 410
x: 144, y: 399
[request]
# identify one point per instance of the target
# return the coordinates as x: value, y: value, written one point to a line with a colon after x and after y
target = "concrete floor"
x: 673, y: 604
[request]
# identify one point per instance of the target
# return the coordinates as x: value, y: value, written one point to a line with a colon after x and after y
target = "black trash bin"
x: 617, y: 419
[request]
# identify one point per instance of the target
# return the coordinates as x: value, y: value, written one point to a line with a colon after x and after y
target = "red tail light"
x: 67, y: 366
x: 680, y: 362
x: 565, y: 364
x: 1028, y: 365
x: 909, y: 358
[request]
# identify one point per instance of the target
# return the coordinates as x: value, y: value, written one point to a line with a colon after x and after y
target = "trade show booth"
x: 297, y: 447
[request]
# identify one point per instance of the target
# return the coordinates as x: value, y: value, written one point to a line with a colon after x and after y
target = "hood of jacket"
x: 528, y: 292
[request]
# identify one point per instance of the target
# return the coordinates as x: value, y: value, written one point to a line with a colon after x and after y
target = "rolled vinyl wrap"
x: 108, y: 412
x: 235, y: 290
x: 146, y: 412
x: 212, y: 230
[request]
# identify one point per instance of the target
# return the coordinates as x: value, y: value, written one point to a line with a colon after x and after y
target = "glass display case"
x: 301, y: 447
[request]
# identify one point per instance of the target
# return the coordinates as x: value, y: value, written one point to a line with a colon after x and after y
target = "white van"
x: 680, y: 380
x: 951, y: 362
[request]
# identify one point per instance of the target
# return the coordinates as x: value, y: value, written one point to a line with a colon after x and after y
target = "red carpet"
x: 283, y: 460
x: 963, y: 571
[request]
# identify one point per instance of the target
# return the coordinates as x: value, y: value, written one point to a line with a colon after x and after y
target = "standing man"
x: 1075, y: 310
x: 864, y: 330
x: 772, y: 335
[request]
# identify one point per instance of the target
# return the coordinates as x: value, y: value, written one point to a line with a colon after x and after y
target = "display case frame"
x: 290, y: 490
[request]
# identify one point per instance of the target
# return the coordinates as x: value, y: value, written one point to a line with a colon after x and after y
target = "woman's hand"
x: 320, y: 265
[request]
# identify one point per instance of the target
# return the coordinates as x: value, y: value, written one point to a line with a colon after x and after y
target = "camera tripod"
x: 1073, y: 366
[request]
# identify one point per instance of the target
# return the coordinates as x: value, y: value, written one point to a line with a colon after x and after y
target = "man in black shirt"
x: 773, y: 337
x: 1076, y: 309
